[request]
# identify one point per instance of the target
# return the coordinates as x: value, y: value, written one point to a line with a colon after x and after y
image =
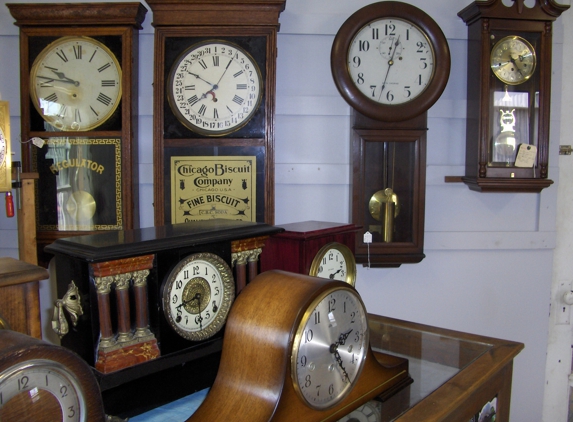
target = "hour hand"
x: 342, y: 338
x: 64, y: 78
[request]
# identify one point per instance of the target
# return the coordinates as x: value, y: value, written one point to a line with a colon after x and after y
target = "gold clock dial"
x: 197, y: 296
x: 330, y: 347
x: 334, y: 261
x: 214, y: 87
x: 513, y: 60
x: 75, y: 83
x: 45, y: 384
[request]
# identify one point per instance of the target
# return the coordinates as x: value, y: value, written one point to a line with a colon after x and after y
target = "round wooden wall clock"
x: 509, y: 94
x: 43, y: 382
x: 214, y: 105
x: 390, y: 61
x: 78, y: 73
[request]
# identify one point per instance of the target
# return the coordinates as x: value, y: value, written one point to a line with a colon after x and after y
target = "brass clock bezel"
x: 349, y: 260
x: 296, y: 344
x: 227, y: 281
x: 345, y: 84
x: 494, y: 68
x: 49, y: 49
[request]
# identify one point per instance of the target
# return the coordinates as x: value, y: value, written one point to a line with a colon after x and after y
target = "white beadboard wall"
x: 489, y: 257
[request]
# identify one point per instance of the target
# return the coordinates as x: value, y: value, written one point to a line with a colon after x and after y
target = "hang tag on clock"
x: 526, y: 155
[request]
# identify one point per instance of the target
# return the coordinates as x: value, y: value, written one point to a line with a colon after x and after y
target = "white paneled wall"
x: 489, y: 257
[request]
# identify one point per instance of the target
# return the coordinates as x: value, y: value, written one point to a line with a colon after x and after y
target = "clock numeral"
x: 62, y: 56
x: 95, y: 112
x: 202, y: 110
x: 317, y: 317
x: 23, y: 382
x: 241, y: 86
x: 78, y: 52
x: 308, y: 381
x: 196, y: 270
x: 203, y: 64
x: 238, y: 100
x: 331, y: 305
x: 331, y: 389
x: 189, y: 87
x: 215, y: 60
x: 375, y: 34
x: 389, y: 29
x: 407, y: 91
x: 423, y: 63
x: 77, y: 115
x: 308, y: 335
x: 52, y: 98
x: 360, y: 78
x: 215, y: 114
x: 63, y: 109
x: 239, y: 73
x: 93, y: 55
x: 72, y: 412
x: 193, y: 100
x: 179, y: 283
x: 421, y: 47
x: 356, y: 60
x: 104, y: 99
x: 104, y: 67
x: 363, y: 45
x: 108, y: 82
x: 175, y: 299
x: 303, y: 361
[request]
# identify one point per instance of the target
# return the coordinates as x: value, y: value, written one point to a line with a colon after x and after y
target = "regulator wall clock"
x: 78, y: 73
x: 390, y: 62
x: 509, y: 94
x: 214, y: 105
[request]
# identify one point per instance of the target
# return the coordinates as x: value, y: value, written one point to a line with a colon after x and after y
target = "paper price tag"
x: 39, y: 142
x: 526, y: 155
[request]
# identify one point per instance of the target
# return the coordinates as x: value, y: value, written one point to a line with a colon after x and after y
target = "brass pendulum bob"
x: 384, y: 206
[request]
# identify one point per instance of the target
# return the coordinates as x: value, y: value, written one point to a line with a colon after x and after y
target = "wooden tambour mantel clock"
x: 509, y: 94
x: 78, y: 74
x: 147, y: 307
x: 390, y: 61
x: 214, y: 106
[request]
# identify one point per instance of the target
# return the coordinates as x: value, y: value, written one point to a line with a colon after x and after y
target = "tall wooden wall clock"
x: 509, y: 94
x: 78, y: 74
x: 214, y: 105
x: 390, y: 61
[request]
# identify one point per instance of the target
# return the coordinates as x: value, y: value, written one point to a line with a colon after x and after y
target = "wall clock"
x: 78, y: 73
x: 39, y: 381
x: 390, y: 61
x: 5, y: 148
x: 314, y: 362
x: 214, y: 103
x: 509, y: 95
x: 148, y: 306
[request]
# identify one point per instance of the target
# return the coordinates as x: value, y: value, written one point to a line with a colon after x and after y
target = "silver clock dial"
x: 330, y: 348
x: 75, y: 84
x: 214, y: 88
x: 37, y: 381
x: 391, y: 61
x: 197, y: 296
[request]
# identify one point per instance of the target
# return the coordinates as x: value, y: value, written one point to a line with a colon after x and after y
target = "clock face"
x: 75, y: 83
x: 513, y: 60
x: 41, y: 384
x: 368, y: 412
x: 197, y: 296
x: 214, y: 88
x: 391, y: 61
x: 330, y: 347
x: 335, y: 262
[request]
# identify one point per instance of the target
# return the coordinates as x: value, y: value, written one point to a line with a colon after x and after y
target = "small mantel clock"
x: 214, y: 106
x: 509, y: 94
x: 78, y: 93
x: 390, y: 61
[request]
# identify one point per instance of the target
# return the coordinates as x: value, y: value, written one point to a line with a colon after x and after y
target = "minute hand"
x: 390, y: 64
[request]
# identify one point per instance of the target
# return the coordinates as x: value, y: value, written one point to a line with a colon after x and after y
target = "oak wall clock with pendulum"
x: 390, y: 61
x: 214, y: 105
x: 78, y: 72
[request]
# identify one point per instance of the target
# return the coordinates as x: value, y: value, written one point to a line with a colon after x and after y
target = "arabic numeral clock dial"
x: 391, y: 61
x: 330, y: 348
x: 197, y: 296
x: 334, y: 261
x: 214, y: 88
x: 75, y: 83
x: 513, y: 60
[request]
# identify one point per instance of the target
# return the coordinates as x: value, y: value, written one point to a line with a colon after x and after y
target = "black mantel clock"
x: 390, y: 61
x: 78, y: 95
x: 509, y: 94
x: 147, y: 306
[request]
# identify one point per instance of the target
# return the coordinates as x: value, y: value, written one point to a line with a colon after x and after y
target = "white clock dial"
x: 391, y: 61
x: 75, y: 83
x: 334, y: 261
x: 197, y: 296
x: 41, y: 383
x: 214, y: 88
x: 330, y: 347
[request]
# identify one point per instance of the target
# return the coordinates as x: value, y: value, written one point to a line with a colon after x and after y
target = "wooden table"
x: 19, y: 295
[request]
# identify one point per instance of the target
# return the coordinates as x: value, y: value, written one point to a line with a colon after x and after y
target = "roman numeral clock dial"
x: 214, y: 88
x: 75, y: 84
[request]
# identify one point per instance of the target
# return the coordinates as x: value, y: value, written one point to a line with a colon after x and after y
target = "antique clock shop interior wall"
x: 78, y: 72
x: 214, y: 104
x: 390, y: 61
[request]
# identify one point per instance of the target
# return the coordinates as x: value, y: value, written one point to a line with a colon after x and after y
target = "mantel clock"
x: 214, y: 106
x: 509, y: 94
x: 79, y: 75
x: 390, y: 62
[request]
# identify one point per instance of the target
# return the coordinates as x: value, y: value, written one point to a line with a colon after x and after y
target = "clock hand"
x: 225, y: 71
x: 64, y: 78
x: 199, y: 77
x: 342, y: 339
x: 390, y: 64
x: 345, y: 378
x: 216, y: 86
x: 331, y: 276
